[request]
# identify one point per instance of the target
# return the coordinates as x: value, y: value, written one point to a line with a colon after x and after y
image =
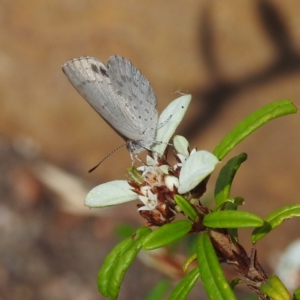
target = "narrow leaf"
x: 275, y: 219
x: 186, y: 207
x: 232, y: 219
x: 189, y: 260
x: 214, y: 281
x: 117, y: 262
x: 182, y: 290
x: 233, y: 205
x: 234, y: 282
x: 158, y: 291
x: 134, y: 175
x: 167, y: 234
x: 253, y: 122
x: 111, y: 259
x: 225, y: 178
x: 275, y: 289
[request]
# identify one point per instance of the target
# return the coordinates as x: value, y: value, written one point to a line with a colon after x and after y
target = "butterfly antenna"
x: 109, y: 154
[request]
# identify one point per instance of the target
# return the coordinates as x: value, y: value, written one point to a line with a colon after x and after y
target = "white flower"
x: 150, y: 201
x: 196, y: 167
x: 150, y: 162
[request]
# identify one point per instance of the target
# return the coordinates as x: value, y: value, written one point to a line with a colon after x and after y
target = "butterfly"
x: 120, y: 94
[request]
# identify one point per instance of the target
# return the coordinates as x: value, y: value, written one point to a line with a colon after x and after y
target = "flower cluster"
x: 160, y: 181
x: 156, y: 192
x: 157, y: 182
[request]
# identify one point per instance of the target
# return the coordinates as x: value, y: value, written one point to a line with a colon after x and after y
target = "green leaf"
x: 234, y: 282
x: 275, y: 219
x: 167, y: 234
x: 186, y: 207
x: 275, y: 289
x: 214, y: 281
x: 232, y: 219
x: 189, y: 260
x: 232, y: 204
x: 124, y: 230
x: 106, y: 270
x: 117, y: 262
x: 251, y: 123
x: 226, y: 176
x: 134, y: 175
x: 158, y: 291
x: 296, y: 295
x: 185, y: 286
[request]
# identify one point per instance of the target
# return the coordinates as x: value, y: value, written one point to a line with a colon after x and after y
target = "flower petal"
x: 150, y: 202
x: 110, y: 193
x: 169, y: 120
x: 181, y: 145
x: 171, y: 181
x: 195, y: 169
x: 164, y: 169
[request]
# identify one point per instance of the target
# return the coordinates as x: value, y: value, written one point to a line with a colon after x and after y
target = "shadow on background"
x: 211, y: 101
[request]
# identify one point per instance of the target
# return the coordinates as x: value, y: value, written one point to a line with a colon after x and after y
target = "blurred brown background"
x: 232, y: 56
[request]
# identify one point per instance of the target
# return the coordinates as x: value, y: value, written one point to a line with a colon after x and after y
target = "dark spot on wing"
x: 103, y: 71
x: 94, y: 68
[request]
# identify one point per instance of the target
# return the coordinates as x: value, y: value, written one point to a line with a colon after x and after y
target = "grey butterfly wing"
x: 130, y: 83
x: 90, y: 78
